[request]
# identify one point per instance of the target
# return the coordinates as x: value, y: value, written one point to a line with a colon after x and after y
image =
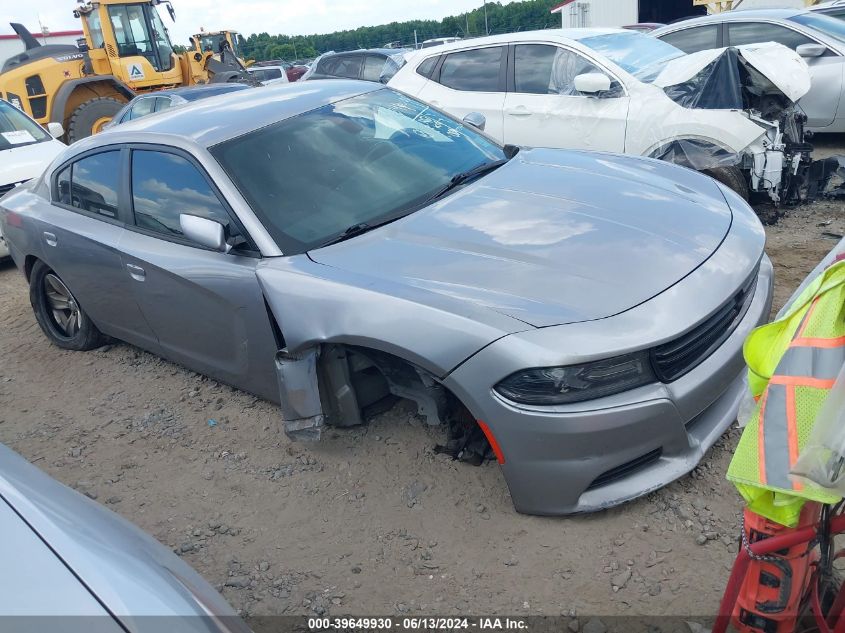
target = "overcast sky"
x: 291, y: 17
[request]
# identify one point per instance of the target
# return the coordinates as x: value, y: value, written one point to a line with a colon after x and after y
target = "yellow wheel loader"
x: 125, y: 50
x: 219, y: 43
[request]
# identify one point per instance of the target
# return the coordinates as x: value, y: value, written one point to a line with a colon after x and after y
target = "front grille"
x: 674, y: 359
x: 628, y: 468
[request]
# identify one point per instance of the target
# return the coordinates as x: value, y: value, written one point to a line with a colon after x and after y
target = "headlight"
x: 576, y: 383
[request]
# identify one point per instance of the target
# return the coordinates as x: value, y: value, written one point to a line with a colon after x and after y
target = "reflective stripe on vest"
x: 808, y: 362
x: 793, y: 362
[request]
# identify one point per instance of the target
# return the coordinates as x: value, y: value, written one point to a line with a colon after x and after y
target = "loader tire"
x: 90, y: 117
x: 732, y: 177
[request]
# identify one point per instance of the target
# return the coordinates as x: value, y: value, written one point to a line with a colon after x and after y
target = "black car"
x: 375, y: 64
x: 145, y: 104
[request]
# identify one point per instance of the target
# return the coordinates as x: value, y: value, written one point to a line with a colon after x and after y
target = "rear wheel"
x: 58, y: 312
x: 91, y: 116
x: 732, y: 177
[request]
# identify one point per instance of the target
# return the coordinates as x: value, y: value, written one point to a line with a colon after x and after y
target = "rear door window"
x: 166, y: 185
x: 373, y: 65
x: 91, y: 184
x: 756, y: 32
x: 162, y: 103
x: 142, y: 108
x: 476, y: 70
x: 696, y: 39
x: 348, y: 66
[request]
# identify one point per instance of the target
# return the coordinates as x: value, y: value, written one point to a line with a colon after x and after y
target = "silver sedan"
x: 818, y: 38
x: 330, y: 245
x: 70, y: 565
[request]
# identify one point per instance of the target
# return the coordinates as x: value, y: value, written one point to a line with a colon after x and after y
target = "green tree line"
x: 516, y: 16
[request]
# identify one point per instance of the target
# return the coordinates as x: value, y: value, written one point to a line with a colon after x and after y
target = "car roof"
x: 387, y: 52
x: 219, y: 118
x: 554, y: 35
x: 736, y: 14
x: 190, y: 93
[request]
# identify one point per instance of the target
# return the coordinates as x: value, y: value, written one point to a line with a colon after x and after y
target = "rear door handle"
x: 136, y: 272
x: 518, y: 111
x: 50, y: 238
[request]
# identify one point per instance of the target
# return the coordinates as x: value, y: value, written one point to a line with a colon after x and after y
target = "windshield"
x: 17, y: 129
x: 368, y: 159
x: 640, y: 55
x: 832, y: 27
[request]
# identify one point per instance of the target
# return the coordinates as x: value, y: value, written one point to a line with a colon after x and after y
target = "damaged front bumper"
x: 594, y: 455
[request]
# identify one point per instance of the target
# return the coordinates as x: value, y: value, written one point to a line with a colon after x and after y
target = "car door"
x: 205, y: 306
x: 471, y: 81
x: 543, y: 108
x: 821, y: 103
x: 81, y: 238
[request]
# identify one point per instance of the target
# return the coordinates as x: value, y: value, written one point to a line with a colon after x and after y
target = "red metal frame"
x: 768, y: 546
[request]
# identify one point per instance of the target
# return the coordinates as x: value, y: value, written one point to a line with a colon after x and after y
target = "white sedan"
x: 25, y: 151
x: 621, y: 91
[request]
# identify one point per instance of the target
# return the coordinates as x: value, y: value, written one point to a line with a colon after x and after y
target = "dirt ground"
x: 370, y: 520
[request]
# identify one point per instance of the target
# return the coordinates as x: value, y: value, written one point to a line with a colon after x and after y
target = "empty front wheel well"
x: 358, y: 382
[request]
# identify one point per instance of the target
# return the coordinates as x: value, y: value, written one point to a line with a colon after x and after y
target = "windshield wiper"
x: 465, y: 176
x: 359, y: 229
x: 458, y: 179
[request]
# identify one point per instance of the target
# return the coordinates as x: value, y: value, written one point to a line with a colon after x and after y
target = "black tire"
x: 43, y: 297
x: 82, y: 121
x: 732, y: 177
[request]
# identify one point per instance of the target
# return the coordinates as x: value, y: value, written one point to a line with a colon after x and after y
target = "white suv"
x: 726, y: 112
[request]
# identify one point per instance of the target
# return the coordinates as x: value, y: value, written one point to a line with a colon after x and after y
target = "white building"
x: 11, y: 44
x: 616, y: 13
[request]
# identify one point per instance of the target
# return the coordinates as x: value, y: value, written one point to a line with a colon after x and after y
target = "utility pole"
x: 466, y: 15
x: 486, y: 29
x: 416, y: 46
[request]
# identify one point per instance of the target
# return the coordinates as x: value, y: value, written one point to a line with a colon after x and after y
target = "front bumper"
x: 594, y: 455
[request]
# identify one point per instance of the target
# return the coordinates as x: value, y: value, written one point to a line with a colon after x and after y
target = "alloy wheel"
x: 65, y: 311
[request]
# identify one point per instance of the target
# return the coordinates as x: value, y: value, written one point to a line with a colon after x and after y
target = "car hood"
x: 29, y: 161
x: 769, y: 69
x: 552, y: 237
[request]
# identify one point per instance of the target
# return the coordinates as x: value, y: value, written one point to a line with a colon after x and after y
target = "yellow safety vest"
x: 792, y: 364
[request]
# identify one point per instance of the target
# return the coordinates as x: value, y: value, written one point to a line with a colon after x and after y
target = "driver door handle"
x: 136, y: 272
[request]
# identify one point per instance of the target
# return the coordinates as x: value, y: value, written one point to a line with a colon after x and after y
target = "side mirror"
x: 56, y: 130
x: 592, y: 83
x: 811, y: 50
x: 204, y: 232
x: 476, y: 120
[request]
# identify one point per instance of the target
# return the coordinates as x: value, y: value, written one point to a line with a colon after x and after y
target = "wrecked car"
x: 577, y: 316
x: 729, y: 113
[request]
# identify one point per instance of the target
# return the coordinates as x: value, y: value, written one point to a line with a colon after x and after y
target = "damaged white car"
x: 727, y: 112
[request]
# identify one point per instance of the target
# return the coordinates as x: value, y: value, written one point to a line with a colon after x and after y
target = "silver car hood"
x: 552, y: 237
